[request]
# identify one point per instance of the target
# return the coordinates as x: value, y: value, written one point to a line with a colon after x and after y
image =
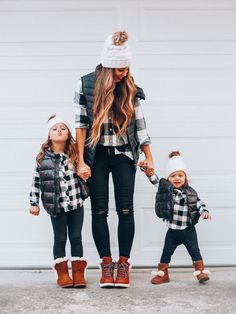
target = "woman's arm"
x: 81, y: 124
x: 83, y: 170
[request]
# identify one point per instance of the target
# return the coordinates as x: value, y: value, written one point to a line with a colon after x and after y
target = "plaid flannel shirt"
x: 109, y: 135
x: 69, y: 198
x: 181, y: 219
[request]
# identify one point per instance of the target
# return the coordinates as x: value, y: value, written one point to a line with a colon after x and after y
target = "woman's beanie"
x: 175, y: 163
x: 55, y: 120
x: 116, y: 52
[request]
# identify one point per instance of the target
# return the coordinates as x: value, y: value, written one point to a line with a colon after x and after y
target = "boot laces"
x: 122, y: 270
x: 107, y: 270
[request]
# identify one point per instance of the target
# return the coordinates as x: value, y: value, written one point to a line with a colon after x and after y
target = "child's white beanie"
x: 116, y: 52
x: 56, y: 120
x: 175, y: 163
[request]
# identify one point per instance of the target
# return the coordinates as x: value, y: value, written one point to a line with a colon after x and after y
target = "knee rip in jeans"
x: 100, y: 213
x: 125, y: 211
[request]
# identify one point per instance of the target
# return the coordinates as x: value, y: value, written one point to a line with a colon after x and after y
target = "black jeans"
x: 71, y: 221
x: 123, y: 174
x: 174, y: 238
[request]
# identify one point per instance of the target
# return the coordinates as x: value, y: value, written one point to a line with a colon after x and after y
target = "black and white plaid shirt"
x: 181, y: 219
x: 69, y: 198
x: 109, y: 135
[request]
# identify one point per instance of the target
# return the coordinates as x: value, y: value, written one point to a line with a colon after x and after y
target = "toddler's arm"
x: 152, y: 178
x: 202, y: 209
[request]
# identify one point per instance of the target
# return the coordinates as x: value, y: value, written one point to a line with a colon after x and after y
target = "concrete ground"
x: 35, y: 291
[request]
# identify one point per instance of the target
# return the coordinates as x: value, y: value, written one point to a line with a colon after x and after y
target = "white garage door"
x: 185, y: 60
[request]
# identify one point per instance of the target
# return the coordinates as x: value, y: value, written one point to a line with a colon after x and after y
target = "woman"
x: 110, y: 131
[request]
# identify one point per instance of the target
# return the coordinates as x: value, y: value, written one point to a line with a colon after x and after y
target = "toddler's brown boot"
x: 201, y: 273
x: 162, y: 275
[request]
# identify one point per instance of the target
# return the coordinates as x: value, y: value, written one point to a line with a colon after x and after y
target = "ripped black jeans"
x: 123, y: 174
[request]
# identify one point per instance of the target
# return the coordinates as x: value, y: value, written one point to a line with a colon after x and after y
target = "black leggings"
x: 73, y: 221
x: 123, y: 174
x: 174, y: 238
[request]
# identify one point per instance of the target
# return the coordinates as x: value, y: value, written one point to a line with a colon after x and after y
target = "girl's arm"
x: 34, y: 194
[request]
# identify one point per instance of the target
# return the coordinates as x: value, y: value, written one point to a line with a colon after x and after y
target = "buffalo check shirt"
x: 181, y: 219
x: 69, y: 198
x: 109, y: 135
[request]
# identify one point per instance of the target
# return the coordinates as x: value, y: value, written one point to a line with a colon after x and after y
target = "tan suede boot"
x: 201, y: 273
x: 61, y: 269
x: 162, y: 275
x: 107, y: 267
x: 79, y: 266
x: 123, y: 278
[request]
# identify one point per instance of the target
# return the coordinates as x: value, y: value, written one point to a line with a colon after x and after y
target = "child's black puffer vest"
x: 50, y: 182
x: 164, y: 205
x: 88, y: 87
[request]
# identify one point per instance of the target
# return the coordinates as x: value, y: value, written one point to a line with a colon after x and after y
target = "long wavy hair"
x: 118, y: 97
x: 69, y: 149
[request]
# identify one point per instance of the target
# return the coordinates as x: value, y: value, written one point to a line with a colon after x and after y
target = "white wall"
x: 185, y: 60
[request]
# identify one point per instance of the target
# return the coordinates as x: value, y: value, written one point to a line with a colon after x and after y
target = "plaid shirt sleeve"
x: 201, y: 206
x: 141, y: 130
x: 154, y: 180
x: 81, y: 115
x: 35, y: 190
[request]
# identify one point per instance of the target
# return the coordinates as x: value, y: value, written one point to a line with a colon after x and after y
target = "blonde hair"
x: 111, y: 96
x: 69, y: 149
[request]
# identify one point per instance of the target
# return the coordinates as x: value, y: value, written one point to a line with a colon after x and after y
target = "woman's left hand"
x: 147, y: 166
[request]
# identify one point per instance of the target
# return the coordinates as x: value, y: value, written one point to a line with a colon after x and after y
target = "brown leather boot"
x: 61, y: 268
x: 162, y: 275
x: 122, y: 278
x: 107, y: 267
x: 79, y: 266
x: 200, y: 272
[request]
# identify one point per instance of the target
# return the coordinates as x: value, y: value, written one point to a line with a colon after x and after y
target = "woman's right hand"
x: 83, y: 171
x: 34, y: 210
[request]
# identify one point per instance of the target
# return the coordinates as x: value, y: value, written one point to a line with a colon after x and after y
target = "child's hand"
x: 206, y: 215
x: 34, y: 210
x: 149, y: 171
x: 83, y: 171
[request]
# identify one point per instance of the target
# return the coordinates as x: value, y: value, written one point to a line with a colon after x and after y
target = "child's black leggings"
x: 174, y: 238
x: 70, y: 222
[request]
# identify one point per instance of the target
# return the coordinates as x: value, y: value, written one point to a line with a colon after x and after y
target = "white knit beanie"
x: 55, y: 120
x: 116, y: 52
x: 175, y: 163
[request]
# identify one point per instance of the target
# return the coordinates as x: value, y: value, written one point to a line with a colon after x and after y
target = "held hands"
x: 83, y: 171
x: 34, y: 210
x: 206, y: 215
x: 147, y: 167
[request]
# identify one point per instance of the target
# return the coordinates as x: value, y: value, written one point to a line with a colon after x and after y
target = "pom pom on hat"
x: 116, y: 52
x: 175, y: 163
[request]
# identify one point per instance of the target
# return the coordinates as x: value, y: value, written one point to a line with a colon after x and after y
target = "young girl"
x: 179, y: 205
x: 55, y: 177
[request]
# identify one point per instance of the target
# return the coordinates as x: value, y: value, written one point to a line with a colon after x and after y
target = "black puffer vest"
x: 50, y: 182
x: 164, y: 205
x: 88, y: 86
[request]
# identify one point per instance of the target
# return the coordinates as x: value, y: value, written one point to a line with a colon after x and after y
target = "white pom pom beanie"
x: 55, y: 121
x: 175, y: 163
x: 115, y: 56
